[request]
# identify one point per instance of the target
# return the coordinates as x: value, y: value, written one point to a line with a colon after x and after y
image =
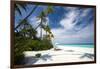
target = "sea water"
x: 78, y: 45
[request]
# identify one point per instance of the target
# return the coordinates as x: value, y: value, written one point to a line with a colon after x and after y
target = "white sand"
x: 66, y: 54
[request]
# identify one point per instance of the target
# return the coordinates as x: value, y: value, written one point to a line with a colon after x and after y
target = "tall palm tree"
x: 42, y: 17
x: 24, y: 22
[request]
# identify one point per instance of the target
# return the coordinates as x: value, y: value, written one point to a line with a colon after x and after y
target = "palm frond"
x: 49, y: 10
x: 23, y: 6
x: 19, y: 6
x: 21, y: 22
x: 17, y: 9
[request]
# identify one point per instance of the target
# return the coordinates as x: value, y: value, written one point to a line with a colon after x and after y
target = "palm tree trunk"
x: 24, y: 31
x: 41, y: 33
x: 37, y: 26
x: 41, y: 29
x: 46, y: 33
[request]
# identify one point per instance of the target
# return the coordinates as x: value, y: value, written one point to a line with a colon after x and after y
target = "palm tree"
x: 49, y: 33
x: 23, y: 24
x: 42, y: 17
x: 26, y: 30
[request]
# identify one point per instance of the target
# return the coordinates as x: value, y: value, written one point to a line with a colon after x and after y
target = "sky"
x: 69, y: 25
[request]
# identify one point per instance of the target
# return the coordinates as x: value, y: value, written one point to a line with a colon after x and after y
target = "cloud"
x: 67, y: 22
x: 85, y: 12
x: 84, y: 36
x: 68, y: 33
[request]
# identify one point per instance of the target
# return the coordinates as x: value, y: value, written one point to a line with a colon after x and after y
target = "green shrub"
x: 20, y: 45
x: 37, y: 45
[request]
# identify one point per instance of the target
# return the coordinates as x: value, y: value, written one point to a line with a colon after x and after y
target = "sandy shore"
x: 66, y: 54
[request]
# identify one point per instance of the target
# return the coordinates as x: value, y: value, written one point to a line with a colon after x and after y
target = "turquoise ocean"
x: 78, y: 45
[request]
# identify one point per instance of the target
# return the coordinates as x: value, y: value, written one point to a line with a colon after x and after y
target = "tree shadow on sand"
x: 46, y: 57
x: 88, y: 55
x: 32, y: 59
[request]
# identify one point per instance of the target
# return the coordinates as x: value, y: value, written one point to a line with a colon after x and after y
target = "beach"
x: 63, y: 55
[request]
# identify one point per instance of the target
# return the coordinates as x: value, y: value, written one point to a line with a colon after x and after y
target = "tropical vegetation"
x: 25, y: 38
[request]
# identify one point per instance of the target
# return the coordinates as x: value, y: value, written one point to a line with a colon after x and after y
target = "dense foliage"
x: 25, y: 35
x: 27, y: 44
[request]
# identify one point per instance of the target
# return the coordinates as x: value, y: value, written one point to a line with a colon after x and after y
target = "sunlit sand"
x: 63, y: 54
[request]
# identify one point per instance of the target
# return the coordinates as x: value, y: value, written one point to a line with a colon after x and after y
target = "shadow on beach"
x: 32, y: 59
x: 46, y: 57
x: 88, y: 55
